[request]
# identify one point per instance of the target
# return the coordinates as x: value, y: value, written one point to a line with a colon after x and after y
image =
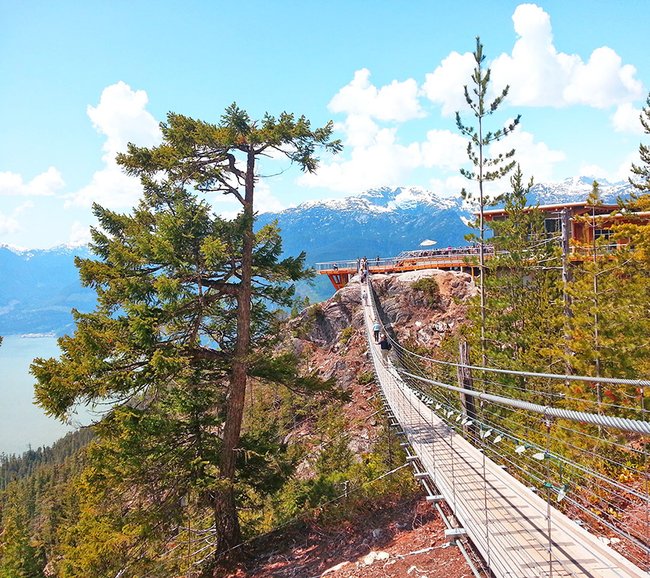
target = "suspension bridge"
x: 524, y: 469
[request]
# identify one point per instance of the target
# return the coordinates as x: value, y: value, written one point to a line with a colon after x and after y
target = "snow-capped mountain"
x: 577, y: 189
x: 39, y: 287
x: 382, y: 221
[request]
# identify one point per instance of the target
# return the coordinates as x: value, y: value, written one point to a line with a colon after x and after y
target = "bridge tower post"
x: 466, y: 381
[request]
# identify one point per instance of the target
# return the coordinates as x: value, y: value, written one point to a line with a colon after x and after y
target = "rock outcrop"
x: 330, y: 335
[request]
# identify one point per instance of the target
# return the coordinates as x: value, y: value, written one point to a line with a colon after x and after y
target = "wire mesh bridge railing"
x: 544, y: 477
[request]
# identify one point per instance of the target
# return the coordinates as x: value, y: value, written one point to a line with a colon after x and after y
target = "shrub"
x: 428, y: 286
x: 346, y: 334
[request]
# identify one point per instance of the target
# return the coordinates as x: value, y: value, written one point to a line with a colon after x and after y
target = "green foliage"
x: 19, y: 557
x: 523, y: 315
x: 429, y: 286
x: 486, y: 169
x: 641, y: 172
x: 344, y: 485
x: 346, y: 334
x: 366, y: 377
x: 184, y: 319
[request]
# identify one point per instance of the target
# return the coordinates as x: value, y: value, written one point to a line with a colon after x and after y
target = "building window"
x: 603, y: 234
x: 552, y: 225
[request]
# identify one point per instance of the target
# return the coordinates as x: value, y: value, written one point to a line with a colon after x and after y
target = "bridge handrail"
x: 625, y: 424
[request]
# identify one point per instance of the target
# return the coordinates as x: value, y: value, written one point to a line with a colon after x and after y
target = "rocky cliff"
x: 330, y: 335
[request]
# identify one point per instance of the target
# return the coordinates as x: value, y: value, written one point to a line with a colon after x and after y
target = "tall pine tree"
x: 486, y: 168
x: 182, y: 318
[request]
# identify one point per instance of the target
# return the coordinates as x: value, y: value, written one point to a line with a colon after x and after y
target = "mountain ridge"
x: 41, y: 286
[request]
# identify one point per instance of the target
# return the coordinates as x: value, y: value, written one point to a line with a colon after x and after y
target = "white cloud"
x: 539, y: 75
x: 8, y: 224
x: 79, y: 234
x: 535, y: 158
x: 594, y: 171
x: 445, y: 84
x: 444, y: 149
x: 396, y: 101
x: 45, y: 184
x: 627, y: 119
x: 623, y: 172
x: 603, y: 81
x: 120, y: 116
x: 265, y: 201
x: 384, y: 162
x: 450, y: 186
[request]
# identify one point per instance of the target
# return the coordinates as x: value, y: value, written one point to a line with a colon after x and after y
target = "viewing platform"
x: 449, y: 259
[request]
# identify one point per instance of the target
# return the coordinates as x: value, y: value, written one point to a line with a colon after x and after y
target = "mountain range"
x: 39, y: 287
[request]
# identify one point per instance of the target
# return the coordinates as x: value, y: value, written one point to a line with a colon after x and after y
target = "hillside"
x: 385, y: 527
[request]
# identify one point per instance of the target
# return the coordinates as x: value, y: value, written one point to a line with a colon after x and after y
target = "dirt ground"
x: 397, y: 540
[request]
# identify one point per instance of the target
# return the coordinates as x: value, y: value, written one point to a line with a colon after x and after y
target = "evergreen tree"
x: 610, y: 297
x: 523, y: 320
x: 19, y: 557
x: 642, y: 172
x: 486, y: 169
x: 182, y: 317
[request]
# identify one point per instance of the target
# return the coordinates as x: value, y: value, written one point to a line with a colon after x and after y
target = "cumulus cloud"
x: 445, y: 84
x: 45, y: 184
x: 265, y: 201
x: 79, y: 234
x: 120, y: 116
x: 627, y: 119
x: 8, y: 224
x: 397, y: 101
x: 594, y: 171
x: 450, y: 186
x: 540, y: 75
x: 444, y: 149
x: 382, y: 162
x: 535, y: 158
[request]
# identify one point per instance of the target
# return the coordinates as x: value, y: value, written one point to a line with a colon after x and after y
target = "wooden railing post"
x: 466, y: 382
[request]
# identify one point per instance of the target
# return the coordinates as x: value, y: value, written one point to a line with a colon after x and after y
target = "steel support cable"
x: 462, y: 486
x: 583, y: 469
x: 543, y: 411
x: 499, y: 429
x: 416, y: 370
x: 554, y: 376
x: 540, y: 479
x: 619, y: 531
x: 630, y: 425
x: 456, y: 482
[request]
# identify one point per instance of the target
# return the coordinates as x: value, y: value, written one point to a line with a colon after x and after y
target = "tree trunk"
x: 225, y: 508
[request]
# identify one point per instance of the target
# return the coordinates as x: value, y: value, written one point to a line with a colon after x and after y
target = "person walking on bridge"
x: 385, y: 347
x: 375, y: 329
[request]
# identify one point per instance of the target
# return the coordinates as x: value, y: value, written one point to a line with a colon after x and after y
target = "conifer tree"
x: 486, y: 168
x: 19, y: 558
x: 182, y: 317
x: 523, y: 288
x: 642, y: 171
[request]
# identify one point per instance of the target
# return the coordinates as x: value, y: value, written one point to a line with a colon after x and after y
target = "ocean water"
x: 23, y: 424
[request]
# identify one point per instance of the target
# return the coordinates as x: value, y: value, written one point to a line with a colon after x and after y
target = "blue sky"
x: 81, y: 79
